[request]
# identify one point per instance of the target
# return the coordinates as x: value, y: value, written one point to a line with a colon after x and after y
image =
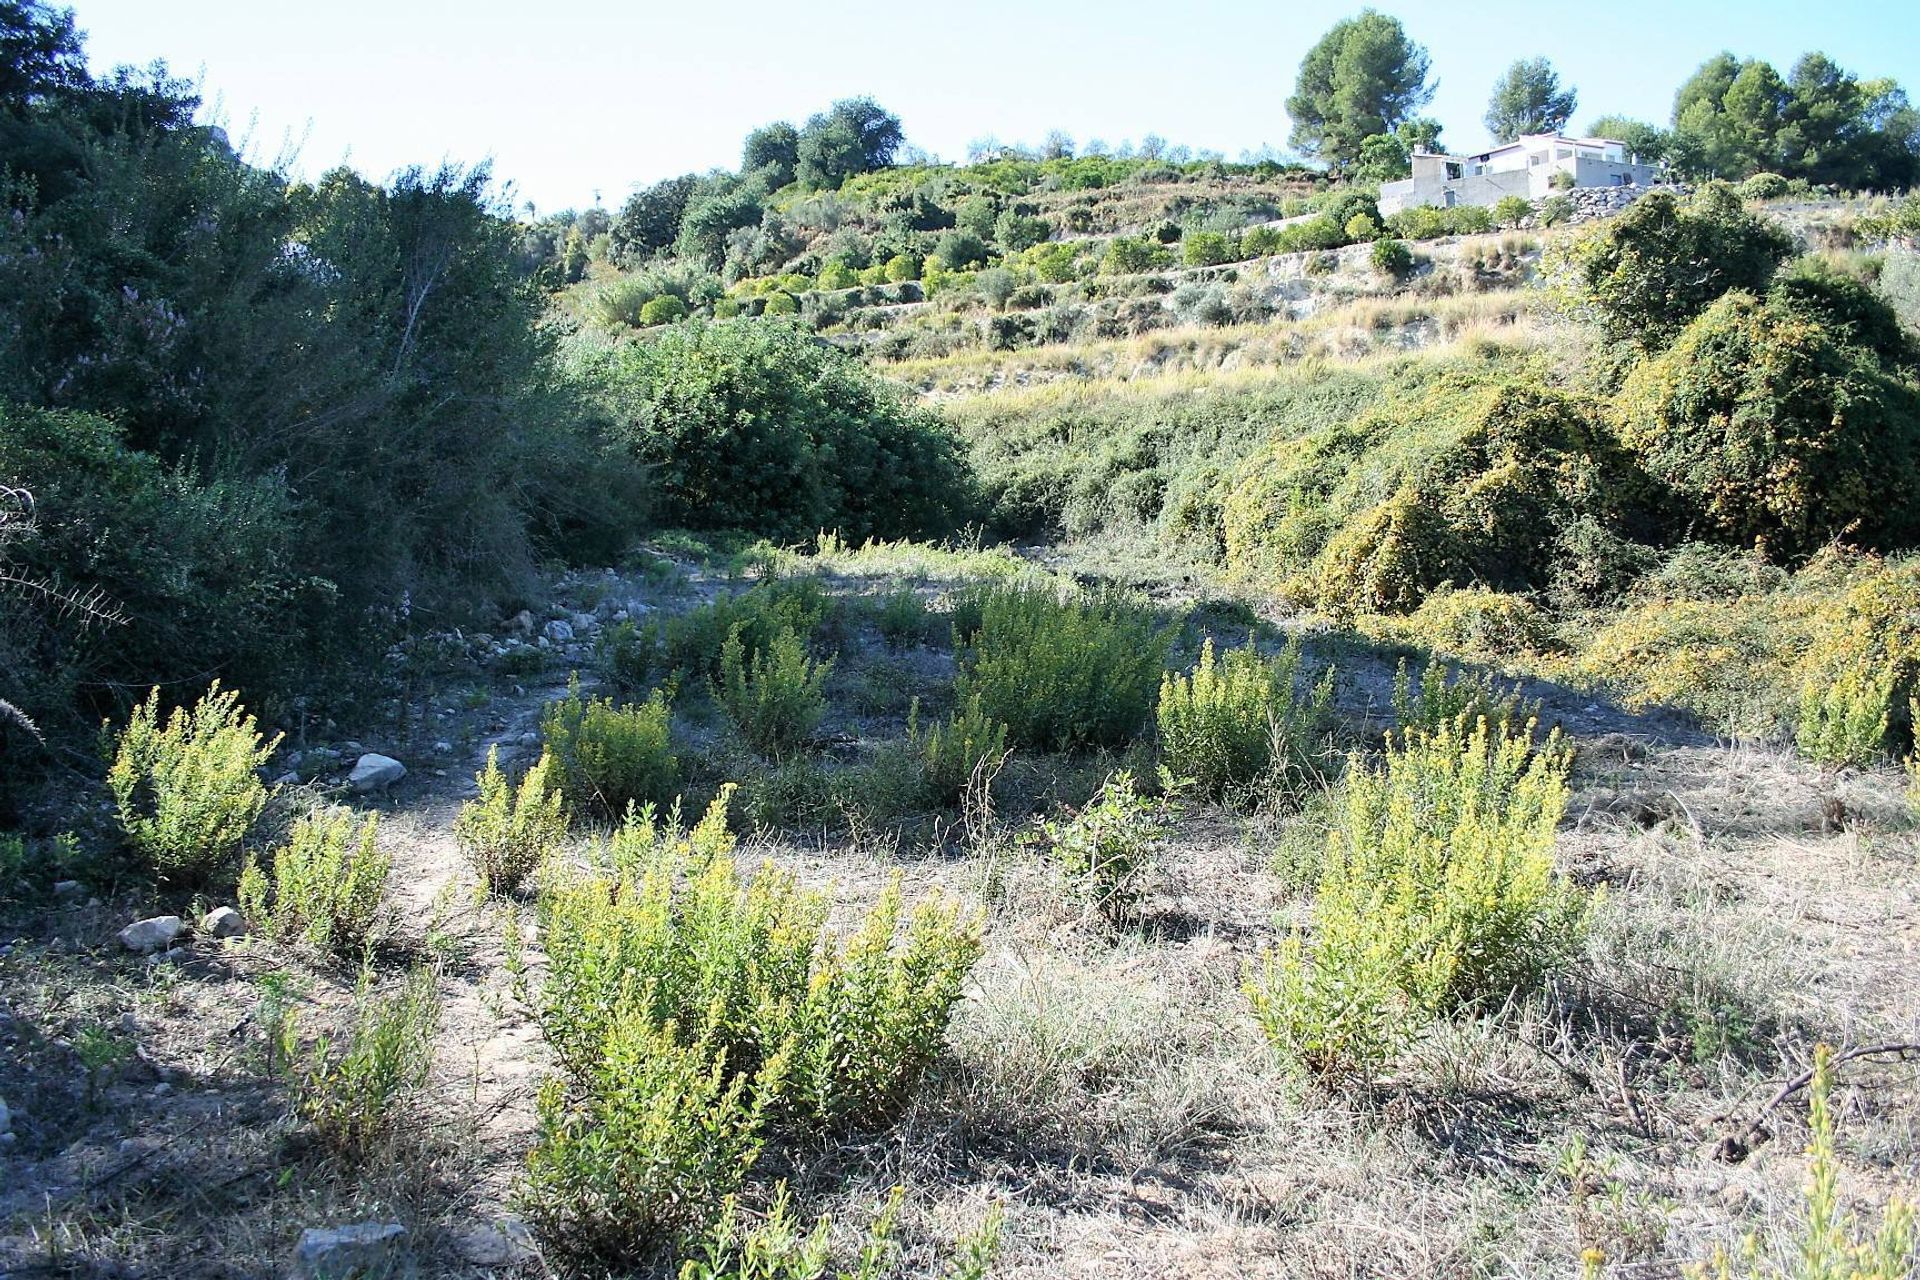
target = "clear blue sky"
x: 596, y: 95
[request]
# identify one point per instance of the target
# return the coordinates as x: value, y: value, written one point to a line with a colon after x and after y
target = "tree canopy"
x: 1363, y: 78
x: 854, y: 135
x: 1529, y: 99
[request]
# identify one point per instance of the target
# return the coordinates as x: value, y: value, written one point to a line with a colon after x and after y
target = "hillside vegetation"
x: 1092, y: 712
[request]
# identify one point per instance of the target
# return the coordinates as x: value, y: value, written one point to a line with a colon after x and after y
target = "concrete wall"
x: 1485, y: 188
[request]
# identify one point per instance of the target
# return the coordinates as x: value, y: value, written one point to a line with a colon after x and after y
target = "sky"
x: 586, y: 99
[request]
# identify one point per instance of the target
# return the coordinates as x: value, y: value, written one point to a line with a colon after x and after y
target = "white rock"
x: 521, y: 622
x: 559, y: 631
x: 151, y: 935
x: 583, y: 622
x: 223, y: 922
x: 375, y: 773
x: 362, y: 1250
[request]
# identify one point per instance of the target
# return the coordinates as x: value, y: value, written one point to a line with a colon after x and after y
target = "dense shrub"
x: 1642, y: 276
x: 772, y: 695
x: 1438, y: 892
x: 1130, y: 255
x: 1510, y: 211
x: 610, y: 756
x: 186, y: 789
x: 755, y: 426
x: 1207, y: 249
x: 506, y: 832
x: 690, y: 643
x: 1242, y: 721
x: 1391, y: 257
x: 350, y: 1091
x: 1061, y: 673
x: 953, y: 755
x: 1764, y: 186
x: 328, y: 886
x: 664, y: 309
x: 669, y: 934
x: 1770, y: 422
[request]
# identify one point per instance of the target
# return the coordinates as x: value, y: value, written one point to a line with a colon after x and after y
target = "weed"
x: 772, y: 695
x: 902, y: 618
x: 507, y: 832
x: 1108, y: 848
x: 1438, y: 891
x: 1241, y: 721
x: 777, y: 1249
x: 1449, y: 696
x: 610, y: 756
x: 187, y: 792
x: 1843, y: 719
x: 953, y: 753
x: 350, y: 1094
x: 328, y: 887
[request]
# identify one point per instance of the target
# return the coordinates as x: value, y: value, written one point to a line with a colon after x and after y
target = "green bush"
x: 507, y: 832
x: 1510, y: 211
x: 1843, y: 721
x: 1643, y: 275
x: 1391, y: 257
x: 670, y: 933
x: 1773, y: 421
x: 1061, y: 674
x: 328, y: 887
x: 755, y: 426
x: 902, y: 267
x: 187, y: 791
x: 664, y: 309
x: 1556, y: 210
x: 609, y: 756
x: 776, y: 1248
x: 1242, y: 723
x: 350, y: 1093
x: 952, y: 755
x: 1765, y: 186
x: 902, y: 618
x: 1109, y: 847
x: 772, y: 695
x: 688, y: 645
x: 1207, y: 249
x: 1447, y: 696
x: 645, y: 1153
x: 1438, y: 892
x: 780, y: 303
x: 1131, y: 255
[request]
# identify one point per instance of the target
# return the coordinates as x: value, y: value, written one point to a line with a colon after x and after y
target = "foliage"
x: 1391, y: 257
x: 1061, y: 674
x: 772, y: 153
x: 1363, y: 78
x: 1438, y: 892
x: 754, y: 426
x: 772, y: 695
x: 1108, y: 848
x: 1643, y: 275
x: 1771, y: 422
x: 1528, y: 98
x: 1242, y: 722
x: 671, y: 935
x: 1447, y: 696
x: 645, y: 1151
x: 507, y: 832
x: 689, y: 644
x: 953, y: 755
x: 1207, y: 249
x: 853, y: 136
x: 649, y: 222
x: 350, y: 1093
x: 1129, y: 255
x: 1844, y: 721
x: 777, y: 1249
x: 328, y: 887
x: 664, y: 309
x: 1508, y: 211
x: 608, y: 756
x: 186, y: 790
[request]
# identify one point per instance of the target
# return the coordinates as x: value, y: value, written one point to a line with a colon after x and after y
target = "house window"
x: 1453, y: 172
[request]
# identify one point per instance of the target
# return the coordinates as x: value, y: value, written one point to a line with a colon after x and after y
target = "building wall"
x: 1429, y: 186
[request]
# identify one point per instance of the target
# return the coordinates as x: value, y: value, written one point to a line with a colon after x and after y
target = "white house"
x: 1526, y: 167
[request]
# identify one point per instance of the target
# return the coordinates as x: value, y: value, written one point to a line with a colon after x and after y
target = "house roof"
x: 1529, y: 141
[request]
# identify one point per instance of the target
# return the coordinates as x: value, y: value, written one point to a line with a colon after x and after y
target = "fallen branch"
x: 1733, y: 1148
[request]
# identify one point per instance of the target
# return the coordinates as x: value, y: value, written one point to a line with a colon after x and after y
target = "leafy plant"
x: 772, y: 696
x: 644, y: 1151
x: 611, y: 756
x: 1449, y: 696
x: 506, y: 832
x: 1843, y: 720
x: 1109, y: 847
x: 1060, y: 674
x: 350, y: 1092
x: 1237, y: 722
x: 1438, y: 891
x: 952, y: 754
x: 328, y: 887
x: 776, y: 1248
x: 186, y: 791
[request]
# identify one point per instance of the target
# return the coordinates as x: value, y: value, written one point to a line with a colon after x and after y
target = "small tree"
x: 1363, y: 78
x: 1508, y: 211
x: 1529, y: 99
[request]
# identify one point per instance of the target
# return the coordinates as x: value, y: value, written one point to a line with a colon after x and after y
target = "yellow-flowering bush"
x: 328, y: 885
x: 1242, y: 720
x: 507, y: 831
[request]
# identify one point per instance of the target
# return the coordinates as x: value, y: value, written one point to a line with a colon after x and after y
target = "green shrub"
x: 902, y: 618
x: 688, y: 645
x: 1448, y: 696
x: 1843, y: 721
x: 1555, y: 210
x: 610, y: 757
x: 1207, y: 249
x: 1061, y: 674
x: 1131, y: 255
x: 773, y: 696
x: 664, y: 309
x: 506, y: 832
x: 1510, y: 211
x: 1109, y: 847
x: 187, y: 792
x: 1478, y: 623
x: 1438, y: 892
x: 952, y: 755
x: 1768, y: 421
x: 1391, y: 257
x: 328, y: 887
x: 350, y: 1093
x: 671, y: 934
x: 1764, y: 186
x: 645, y: 1153
x: 902, y: 267
x: 776, y: 1248
x: 1241, y: 722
